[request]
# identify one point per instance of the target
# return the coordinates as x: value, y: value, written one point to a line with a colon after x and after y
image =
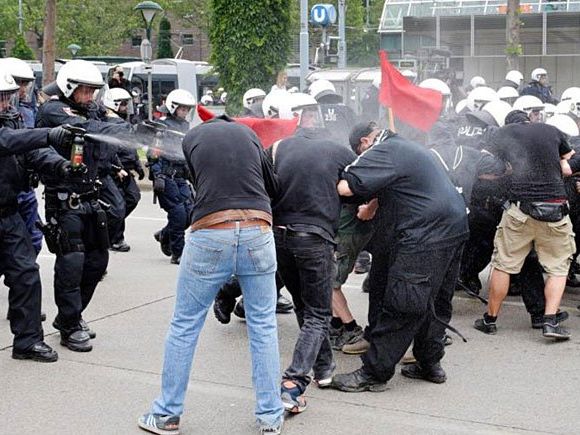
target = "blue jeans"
x: 210, y: 258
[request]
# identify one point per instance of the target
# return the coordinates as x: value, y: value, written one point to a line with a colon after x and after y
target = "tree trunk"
x: 513, y: 24
x: 48, y: 43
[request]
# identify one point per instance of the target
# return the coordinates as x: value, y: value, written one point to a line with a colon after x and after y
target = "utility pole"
x: 304, y: 55
x: 48, y: 39
x: 20, y: 17
x: 341, y: 34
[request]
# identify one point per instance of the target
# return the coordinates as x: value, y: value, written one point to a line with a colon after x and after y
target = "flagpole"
x: 391, y: 120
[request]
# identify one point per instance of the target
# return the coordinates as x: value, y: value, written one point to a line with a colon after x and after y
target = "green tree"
x: 21, y: 50
x: 250, y: 44
x: 164, y: 50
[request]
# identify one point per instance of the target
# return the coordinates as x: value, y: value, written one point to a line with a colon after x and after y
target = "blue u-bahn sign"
x: 323, y: 14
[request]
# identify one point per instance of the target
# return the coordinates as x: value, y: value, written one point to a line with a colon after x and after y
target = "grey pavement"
x: 514, y: 382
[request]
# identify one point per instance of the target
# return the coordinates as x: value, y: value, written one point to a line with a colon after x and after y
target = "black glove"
x: 140, y: 172
x: 159, y: 185
x: 60, y: 136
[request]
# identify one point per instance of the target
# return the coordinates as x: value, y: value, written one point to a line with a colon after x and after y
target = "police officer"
x: 170, y: 172
x: 17, y: 254
x: 471, y: 127
x: 252, y: 102
x: 24, y: 117
x: 513, y: 79
x: 539, y: 87
x: 339, y: 119
x: 82, y: 243
x: 119, y: 109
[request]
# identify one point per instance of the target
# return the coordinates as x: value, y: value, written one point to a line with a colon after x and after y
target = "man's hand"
x: 122, y: 174
x: 566, y: 169
x: 59, y: 136
x: 366, y: 212
x: 344, y: 189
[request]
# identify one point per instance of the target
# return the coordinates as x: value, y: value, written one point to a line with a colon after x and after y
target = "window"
x: 187, y: 39
x: 136, y: 41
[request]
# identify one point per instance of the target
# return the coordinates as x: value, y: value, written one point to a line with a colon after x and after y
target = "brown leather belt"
x: 242, y: 224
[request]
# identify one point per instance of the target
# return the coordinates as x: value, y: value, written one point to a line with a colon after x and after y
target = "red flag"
x: 416, y: 106
x: 267, y: 130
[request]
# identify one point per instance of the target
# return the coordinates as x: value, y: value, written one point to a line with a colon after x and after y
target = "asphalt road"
x: 514, y: 382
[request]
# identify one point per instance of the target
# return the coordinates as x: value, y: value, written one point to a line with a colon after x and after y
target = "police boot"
x: 163, y: 239
x: 434, y: 374
x: 222, y: 309
x: 122, y: 246
x: 77, y: 341
x: 175, y: 259
x: 40, y: 352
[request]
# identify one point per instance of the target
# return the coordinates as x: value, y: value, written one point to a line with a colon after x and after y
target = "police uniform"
x: 17, y: 255
x: 175, y: 198
x: 82, y: 248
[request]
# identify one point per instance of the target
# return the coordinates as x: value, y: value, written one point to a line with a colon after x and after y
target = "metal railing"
x: 394, y: 11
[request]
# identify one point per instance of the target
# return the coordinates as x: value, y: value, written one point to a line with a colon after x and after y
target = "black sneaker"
x: 434, y: 374
x: 362, y: 263
x: 283, y: 305
x: 222, y: 309
x: 164, y: 241
x: 239, y: 310
x: 555, y: 331
x: 77, y: 341
x: 40, y: 352
x: 159, y: 424
x: 348, y: 337
x: 538, y: 319
x: 175, y: 259
x: 334, y: 335
x: 357, y: 381
x: 485, y: 327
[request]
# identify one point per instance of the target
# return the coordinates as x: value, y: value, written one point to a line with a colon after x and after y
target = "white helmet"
x: 272, y: 102
x: 478, y: 97
x: 179, y: 97
x: 320, y: 88
x: 528, y: 103
x: 508, y: 94
x: 410, y: 74
x: 8, y: 91
x: 565, y: 124
x: 537, y: 73
x: 477, y: 81
x: 533, y: 106
x: 250, y: 95
x: 295, y: 105
x: 224, y: 98
x: 459, y: 107
x: 570, y: 93
x: 499, y: 110
x: 439, y: 86
x: 77, y: 73
x: 115, y: 97
x: 377, y: 81
x: 564, y: 107
x: 515, y: 77
x: 549, y: 110
x: 19, y: 69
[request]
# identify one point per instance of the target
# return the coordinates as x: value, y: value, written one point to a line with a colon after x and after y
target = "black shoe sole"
x: 374, y: 388
x: 284, y: 310
x: 485, y: 331
x: 75, y: 347
x: 424, y: 378
x: 34, y: 358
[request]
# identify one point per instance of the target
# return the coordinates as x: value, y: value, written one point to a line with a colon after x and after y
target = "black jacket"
x: 544, y: 93
x: 229, y: 168
x: 308, y: 166
x: 32, y: 145
x: 95, y: 154
x: 428, y: 210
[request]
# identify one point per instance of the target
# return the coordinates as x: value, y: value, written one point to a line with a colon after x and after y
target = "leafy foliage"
x: 21, y: 49
x: 250, y: 44
x: 164, y: 50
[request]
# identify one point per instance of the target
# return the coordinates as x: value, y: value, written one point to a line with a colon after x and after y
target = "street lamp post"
x: 148, y: 10
x: 74, y: 49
